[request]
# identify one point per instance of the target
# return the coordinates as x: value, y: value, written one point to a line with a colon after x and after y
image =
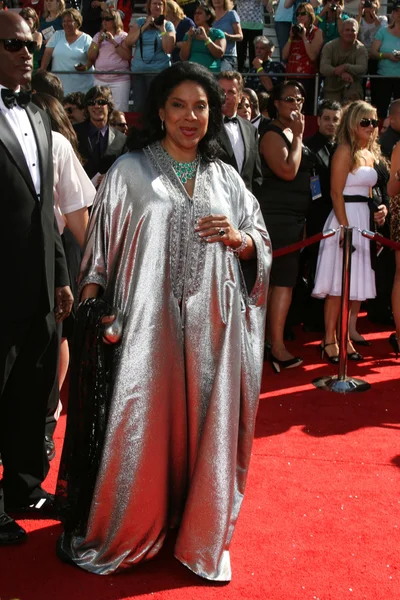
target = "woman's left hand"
x: 217, y: 228
x: 380, y: 215
x: 109, y: 36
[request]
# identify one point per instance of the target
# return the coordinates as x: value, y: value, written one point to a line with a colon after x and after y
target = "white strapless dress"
x: 328, y: 278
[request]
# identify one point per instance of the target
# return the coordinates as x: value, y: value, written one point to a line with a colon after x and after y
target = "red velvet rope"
x: 380, y: 239
x: 303, y: 243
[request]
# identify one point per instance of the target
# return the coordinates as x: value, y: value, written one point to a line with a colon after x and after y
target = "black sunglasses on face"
x: 107, y: 19
x: 100, y: 102
x: 293, y: 99
x: 368, y: 122
x: 124, y: 125
x: 15, y: 45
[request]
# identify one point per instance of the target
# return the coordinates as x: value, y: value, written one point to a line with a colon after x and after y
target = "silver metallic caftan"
x: 185, y: 390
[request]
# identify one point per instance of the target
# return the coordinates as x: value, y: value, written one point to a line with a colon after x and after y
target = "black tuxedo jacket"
x: 322, y: 152
x: 32, y: 256
x: 251, y: 170
x: 116, y: 145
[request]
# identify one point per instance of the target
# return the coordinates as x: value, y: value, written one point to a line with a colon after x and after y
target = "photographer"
x: 302, y: 49
x: 154, y: 38
x: 204, y: 44
x: 330, y: 19
x: 386, y: 50
x: 369, y: 23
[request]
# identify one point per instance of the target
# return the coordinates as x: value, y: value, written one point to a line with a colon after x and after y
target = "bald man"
x: 35, y: 290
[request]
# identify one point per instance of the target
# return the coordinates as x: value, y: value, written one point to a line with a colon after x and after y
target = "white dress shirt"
x: 22, y: 128
x: 235, y: 137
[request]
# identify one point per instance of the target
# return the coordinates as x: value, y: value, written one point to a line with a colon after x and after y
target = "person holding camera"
x: 204, y: 44
x: 107, y: 54
x: 386, y: 50
x: 369, y: 23
x: 330, y: 18
x: 154, y: 38
x: 302, y: 50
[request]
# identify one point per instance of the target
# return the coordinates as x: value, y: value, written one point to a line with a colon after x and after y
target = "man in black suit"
x: 36, y: 285
x: 323, y: 145
x: 99, y: 144
x: 391, y: 136
x: 239, y: 138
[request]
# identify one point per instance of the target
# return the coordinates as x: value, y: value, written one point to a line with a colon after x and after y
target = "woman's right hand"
x: 191, y: 33
x: 298, y: 122
x: 148, y: 22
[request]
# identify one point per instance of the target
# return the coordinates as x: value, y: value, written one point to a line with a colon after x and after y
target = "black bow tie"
x: 11, y: 98
x: 230, y: 120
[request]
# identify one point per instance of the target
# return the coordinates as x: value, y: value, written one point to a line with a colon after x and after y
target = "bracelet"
x: 380, y: 55
x: 260, y: 69
x: 319, y: 19
x: 163, y: 33
x: 289, y: 40
x: 94, y: 46
x: 208, y: 41
x: 243, y: 245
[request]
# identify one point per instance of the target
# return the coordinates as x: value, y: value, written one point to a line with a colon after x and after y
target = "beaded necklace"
x: 185, y: 170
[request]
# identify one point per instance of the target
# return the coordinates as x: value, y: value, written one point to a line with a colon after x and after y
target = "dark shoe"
x: 355, y: 356
x: 50, y: 447
x: 394, y: 342
x: 10, y: 531
x: 332, y: 359
x: 44, y: 507
x: 277, y: 364
x: 361, y: 342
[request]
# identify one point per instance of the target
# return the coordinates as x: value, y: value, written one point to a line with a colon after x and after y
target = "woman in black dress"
x: 285, y: 200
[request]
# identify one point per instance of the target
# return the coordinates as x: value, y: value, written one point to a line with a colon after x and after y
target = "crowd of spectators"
x: 338, y: 50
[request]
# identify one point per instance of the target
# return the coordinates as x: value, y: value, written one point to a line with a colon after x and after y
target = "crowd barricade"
x: 341, y: 383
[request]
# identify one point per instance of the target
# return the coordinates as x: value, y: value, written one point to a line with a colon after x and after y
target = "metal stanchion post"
x: 341, y: 383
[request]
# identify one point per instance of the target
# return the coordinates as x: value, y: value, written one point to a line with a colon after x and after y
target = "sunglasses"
x: 100, y: 102
x: 107, y: 19
x: 293, y: 99
x: 124, y: 125
x: 13, y: 45
x: 301, y: 14
x: 368, y: 122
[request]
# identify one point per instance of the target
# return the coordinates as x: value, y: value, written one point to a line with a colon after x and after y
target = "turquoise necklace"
x: 185, y: 170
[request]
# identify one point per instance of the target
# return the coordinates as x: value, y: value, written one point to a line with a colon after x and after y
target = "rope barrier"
x: 371, y: 235
x: 380, y: 239
x: 304, y: 243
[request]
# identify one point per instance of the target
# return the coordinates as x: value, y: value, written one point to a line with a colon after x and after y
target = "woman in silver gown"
x: 173, y: 242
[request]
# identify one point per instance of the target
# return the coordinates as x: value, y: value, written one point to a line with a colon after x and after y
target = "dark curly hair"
x: 160, y: 90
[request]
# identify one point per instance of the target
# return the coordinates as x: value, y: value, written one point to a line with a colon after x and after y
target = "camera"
x: 159, y: 20
x: 296, y: 31
x: 396, y: 52
x: 334, y: 7
x: 197, y: 31
x: 367, y: 4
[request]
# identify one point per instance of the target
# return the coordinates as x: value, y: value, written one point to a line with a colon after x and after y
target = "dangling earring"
x: 162, y: 125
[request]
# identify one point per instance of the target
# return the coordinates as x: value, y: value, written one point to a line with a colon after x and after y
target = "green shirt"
x: 199, y: 52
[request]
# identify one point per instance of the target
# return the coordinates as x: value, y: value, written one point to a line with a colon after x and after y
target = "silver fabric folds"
x: 185, y: 391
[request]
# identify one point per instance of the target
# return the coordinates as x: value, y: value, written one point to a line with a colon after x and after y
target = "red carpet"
x: 321, y: 518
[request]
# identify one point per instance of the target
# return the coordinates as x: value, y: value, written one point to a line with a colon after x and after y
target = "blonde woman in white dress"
x: 352, y: 177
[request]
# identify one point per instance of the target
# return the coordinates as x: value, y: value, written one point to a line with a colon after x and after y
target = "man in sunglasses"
x: 74, y: 106
x: 36, y: 291
x: 343, y: 62
x: 118, y: 120
x: 99, y: 144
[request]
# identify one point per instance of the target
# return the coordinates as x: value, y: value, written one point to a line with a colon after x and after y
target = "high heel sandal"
x: 277, y: 364
x: 394, y: 342
x: 332, y: 359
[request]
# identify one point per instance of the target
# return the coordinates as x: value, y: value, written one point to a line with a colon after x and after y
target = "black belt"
x: 357, y: 199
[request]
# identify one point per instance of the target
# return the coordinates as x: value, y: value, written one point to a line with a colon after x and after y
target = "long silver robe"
x: 185, y: 390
